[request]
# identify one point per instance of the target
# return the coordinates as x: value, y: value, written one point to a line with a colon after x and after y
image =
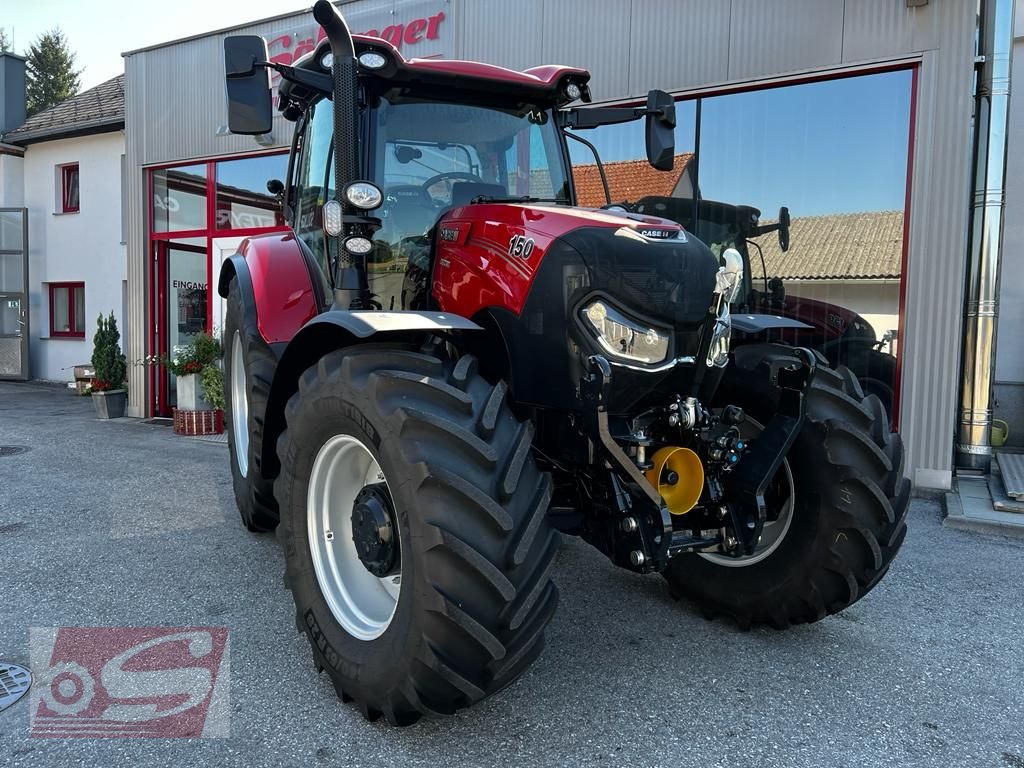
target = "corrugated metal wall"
x: 631, y: 46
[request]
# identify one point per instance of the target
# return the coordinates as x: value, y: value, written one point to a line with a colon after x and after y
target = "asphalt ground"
x: 115, y: 524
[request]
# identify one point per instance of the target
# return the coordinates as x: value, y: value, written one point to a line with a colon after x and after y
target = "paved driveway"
x: 125, y: 524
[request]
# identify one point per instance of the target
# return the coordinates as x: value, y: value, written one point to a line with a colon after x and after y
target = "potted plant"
x: 109, y: 396
x: 188, y: 364
x: 200, y: 386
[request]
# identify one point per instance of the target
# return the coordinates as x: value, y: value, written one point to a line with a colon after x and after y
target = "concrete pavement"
x: 125, y: 524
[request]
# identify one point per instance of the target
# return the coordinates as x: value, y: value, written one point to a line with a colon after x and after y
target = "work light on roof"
x: 573, y: 91
x: 327, y: 60
x: 372, y: 60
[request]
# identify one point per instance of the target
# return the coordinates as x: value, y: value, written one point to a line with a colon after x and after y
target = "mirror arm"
x: 317, y: 81
x: 597, y: 159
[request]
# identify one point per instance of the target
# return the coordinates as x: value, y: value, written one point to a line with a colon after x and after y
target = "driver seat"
x: 464, y: 192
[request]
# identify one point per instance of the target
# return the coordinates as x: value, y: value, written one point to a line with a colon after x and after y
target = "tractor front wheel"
x: 249, y: 369
x: 838, y: 506
x: 413, y: 521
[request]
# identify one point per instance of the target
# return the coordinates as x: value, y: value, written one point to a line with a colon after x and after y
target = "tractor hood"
x: 534, y: 270
x: 648, y: 264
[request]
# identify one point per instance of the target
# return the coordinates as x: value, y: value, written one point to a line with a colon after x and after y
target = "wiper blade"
x: 523, y: 199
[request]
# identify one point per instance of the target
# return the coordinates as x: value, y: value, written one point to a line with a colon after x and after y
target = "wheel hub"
x: 373, y: 530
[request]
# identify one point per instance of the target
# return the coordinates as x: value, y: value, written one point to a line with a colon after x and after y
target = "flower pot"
x: 190, y: 394
x: 110, y: 403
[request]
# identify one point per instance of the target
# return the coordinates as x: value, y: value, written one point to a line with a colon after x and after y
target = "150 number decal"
x: 520, y: 246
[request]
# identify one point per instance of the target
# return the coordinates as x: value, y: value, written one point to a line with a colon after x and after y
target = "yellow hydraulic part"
x: 678, y: 474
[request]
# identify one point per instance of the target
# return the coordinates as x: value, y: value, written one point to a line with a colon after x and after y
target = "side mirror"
x: 661, y: 134
x: 784, y: 228
x: 248, y: 85
x: 275, y: 187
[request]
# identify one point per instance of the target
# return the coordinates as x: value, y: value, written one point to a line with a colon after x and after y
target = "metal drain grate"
x: 12, y: 450
x: 14, y: 683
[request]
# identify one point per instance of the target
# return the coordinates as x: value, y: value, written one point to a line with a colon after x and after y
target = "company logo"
x: 660, y: 234
x: 286, y: 48
x: 130, y: 682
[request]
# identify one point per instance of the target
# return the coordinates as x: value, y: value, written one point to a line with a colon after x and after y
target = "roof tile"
x: 105, y: 102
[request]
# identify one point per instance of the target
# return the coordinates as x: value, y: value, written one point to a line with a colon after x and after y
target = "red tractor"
x: 445, y: 363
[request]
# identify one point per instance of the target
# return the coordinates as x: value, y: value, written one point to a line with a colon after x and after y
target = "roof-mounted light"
x: 372, y: 60
x: 327, y: 61
x: 573, y: 91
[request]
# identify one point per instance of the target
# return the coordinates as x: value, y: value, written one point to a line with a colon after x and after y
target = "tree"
x: 51, y: 74
x: 5, y: 41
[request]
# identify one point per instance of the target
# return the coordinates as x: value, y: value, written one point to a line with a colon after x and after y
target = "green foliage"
x: 5, y: 41
x: 107, y: 358
x: 51, y: 75
x: 212, y: 380
x: 202, y: 351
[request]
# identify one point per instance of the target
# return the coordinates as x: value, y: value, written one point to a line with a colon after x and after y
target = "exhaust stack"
x: 350, y: 283
x: 991, y: 115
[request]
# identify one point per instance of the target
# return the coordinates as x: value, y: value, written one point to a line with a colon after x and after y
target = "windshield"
x: 430, y: 156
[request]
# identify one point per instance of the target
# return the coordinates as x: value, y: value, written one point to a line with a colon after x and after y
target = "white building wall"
x: 75, y: 247
x: 1009, y: 379
x: 878, y: 301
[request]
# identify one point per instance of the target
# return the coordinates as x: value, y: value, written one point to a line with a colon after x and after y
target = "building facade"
x: 64, y: 167
x: 827, y: 107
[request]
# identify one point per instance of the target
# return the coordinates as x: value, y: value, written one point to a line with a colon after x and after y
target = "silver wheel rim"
x: 239, y: 406
x: 774, y: 531
x: 362, y: 603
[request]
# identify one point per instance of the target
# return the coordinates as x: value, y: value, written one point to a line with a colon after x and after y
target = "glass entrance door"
x: 14, y: 359
x: 183, y: 298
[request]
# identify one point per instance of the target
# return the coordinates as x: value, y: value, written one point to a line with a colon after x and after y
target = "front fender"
x: 275, y: 281
x: 333, y: 330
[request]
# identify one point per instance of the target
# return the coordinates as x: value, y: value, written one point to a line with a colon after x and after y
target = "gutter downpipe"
x: 981, y: 311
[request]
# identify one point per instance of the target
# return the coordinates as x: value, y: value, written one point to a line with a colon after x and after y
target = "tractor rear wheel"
x: 413, y: 519
x: 838, y: 520
x: 249, y: 369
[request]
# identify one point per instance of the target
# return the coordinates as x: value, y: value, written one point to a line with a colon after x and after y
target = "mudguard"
x: 330, y: 331
x: 276, y: 282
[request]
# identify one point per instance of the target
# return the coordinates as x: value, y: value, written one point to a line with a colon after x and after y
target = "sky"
x: 99, y: 31
x: 835, y: 146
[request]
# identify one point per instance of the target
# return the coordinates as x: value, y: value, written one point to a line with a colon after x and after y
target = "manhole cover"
x: 12, y: 450
x: 14, y: 683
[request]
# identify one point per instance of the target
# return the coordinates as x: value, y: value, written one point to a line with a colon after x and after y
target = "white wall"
x: 877, y: 302
x: 11, y: 181
x: 75, y: 247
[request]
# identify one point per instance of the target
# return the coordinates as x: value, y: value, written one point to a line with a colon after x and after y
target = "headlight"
x: 624, y: 338
x: 364, y: 195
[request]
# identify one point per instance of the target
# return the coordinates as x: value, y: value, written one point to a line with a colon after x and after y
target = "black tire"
x: 849, y: 518
x: 254, y: 495
x: 476, y: 548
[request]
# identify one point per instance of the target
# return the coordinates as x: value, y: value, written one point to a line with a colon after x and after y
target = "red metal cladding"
x: 487, y: 255
x: 280, y: 281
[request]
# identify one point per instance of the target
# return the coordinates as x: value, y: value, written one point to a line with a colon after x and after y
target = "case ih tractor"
x: 445, y: 364
x: 841, y: 335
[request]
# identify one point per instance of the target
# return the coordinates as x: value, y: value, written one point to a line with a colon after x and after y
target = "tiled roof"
x: 91, y: 110
x: 627, y: 180
x: 841, y: 246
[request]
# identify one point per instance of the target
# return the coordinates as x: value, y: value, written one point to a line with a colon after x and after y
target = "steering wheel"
x: 449, y: 176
